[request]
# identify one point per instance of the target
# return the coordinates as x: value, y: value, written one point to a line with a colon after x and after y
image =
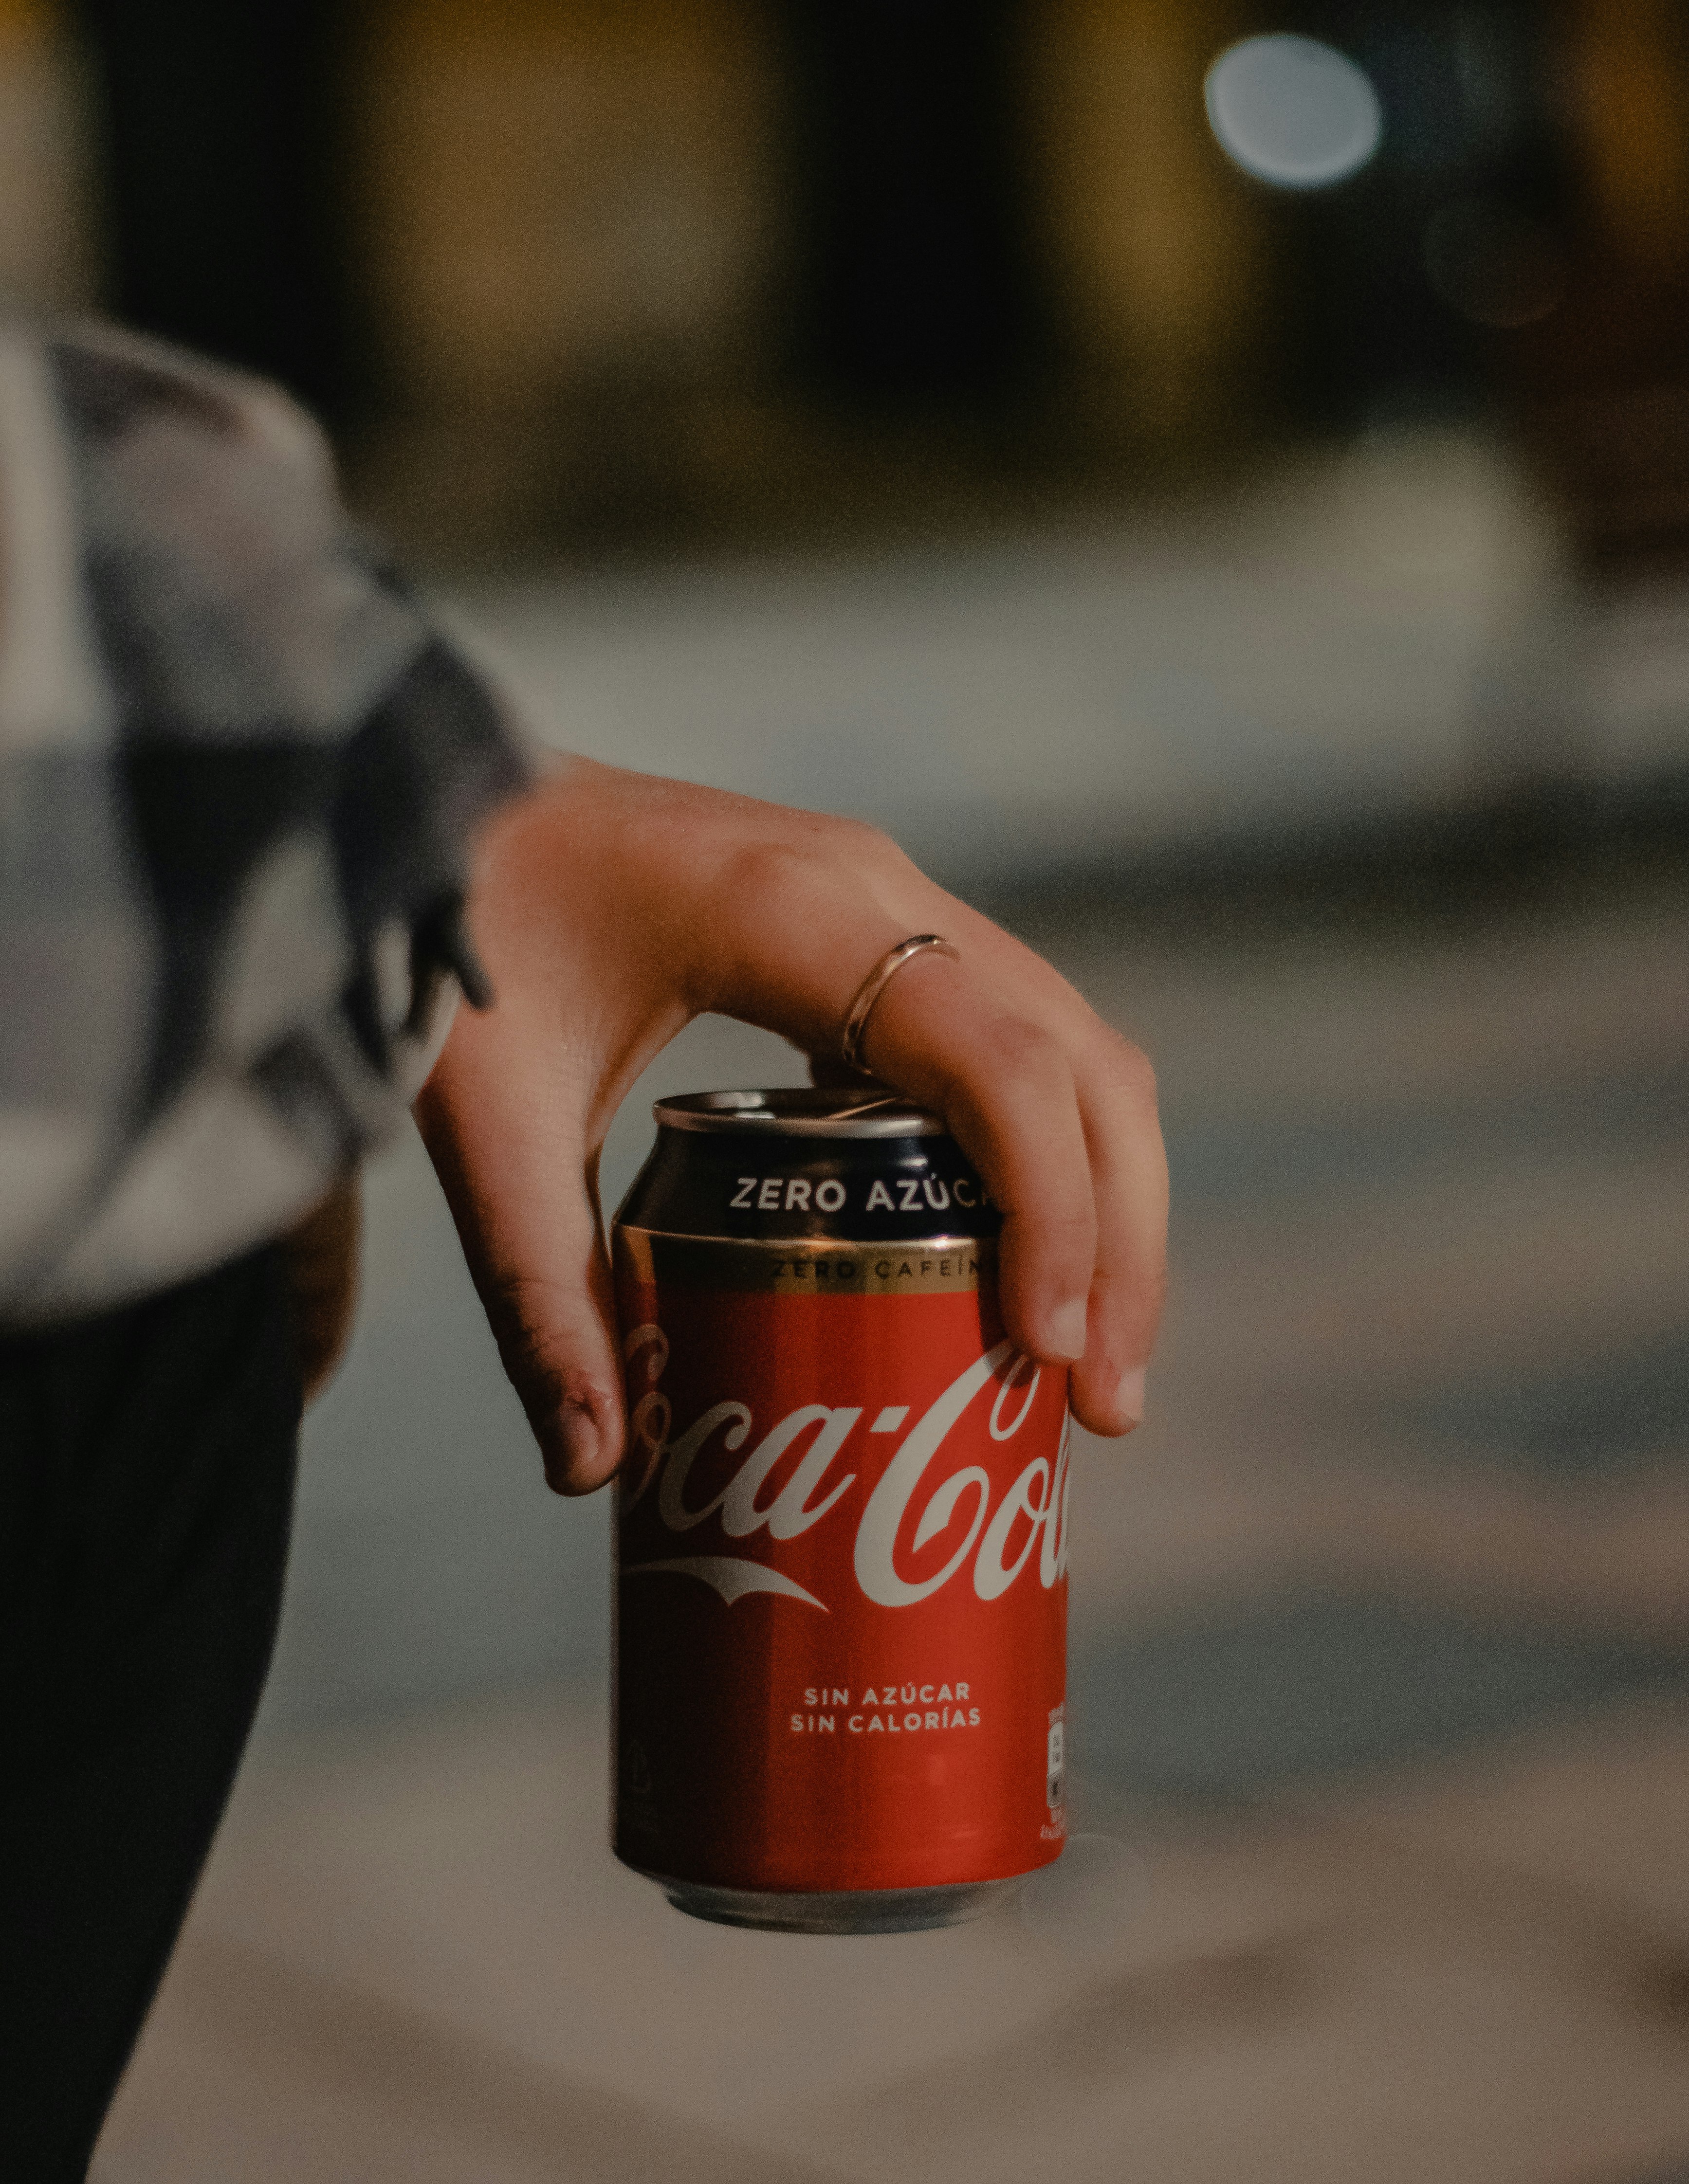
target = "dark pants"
x: 146, y: 1465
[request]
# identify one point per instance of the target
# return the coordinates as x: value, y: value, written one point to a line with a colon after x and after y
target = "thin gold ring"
x: 862, y: 1006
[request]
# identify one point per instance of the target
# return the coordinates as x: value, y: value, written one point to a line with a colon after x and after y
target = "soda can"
x: 841, y: 1529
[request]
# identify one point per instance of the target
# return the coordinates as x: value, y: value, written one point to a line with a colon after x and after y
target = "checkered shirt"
x: 238, y: 771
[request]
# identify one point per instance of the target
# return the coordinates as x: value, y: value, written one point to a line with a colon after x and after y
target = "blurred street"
x: 1380, y: 1662
x: 1386, y: 630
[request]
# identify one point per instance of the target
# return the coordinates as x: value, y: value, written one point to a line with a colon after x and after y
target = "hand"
x: 609, y: 909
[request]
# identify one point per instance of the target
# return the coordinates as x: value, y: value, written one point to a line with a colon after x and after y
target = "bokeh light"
x: 1293, y: 111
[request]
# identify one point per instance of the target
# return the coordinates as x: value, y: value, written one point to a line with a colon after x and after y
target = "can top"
x: 864, y: 1110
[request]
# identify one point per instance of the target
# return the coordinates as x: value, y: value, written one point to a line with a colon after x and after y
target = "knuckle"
x: 524, y: 1315
x: 786, y: 869
x: 764, y: 873
x: 1075, y: 1232
x: 1022, y: 1049
x: 1129, y: 1072
x: 857, y: 843
x: 1058, y: 1227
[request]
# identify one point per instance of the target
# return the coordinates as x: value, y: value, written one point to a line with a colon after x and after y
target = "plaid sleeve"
x: 238, y: 773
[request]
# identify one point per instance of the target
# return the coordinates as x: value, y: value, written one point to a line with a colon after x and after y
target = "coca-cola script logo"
x: 1030, y: 1519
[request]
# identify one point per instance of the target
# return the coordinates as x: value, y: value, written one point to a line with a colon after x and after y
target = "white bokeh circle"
x: 1293, y: 111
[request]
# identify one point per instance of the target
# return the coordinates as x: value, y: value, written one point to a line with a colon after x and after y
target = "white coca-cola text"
x: 1038, y: 1494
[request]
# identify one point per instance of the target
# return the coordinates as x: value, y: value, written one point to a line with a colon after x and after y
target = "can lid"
x: 851, y: 1111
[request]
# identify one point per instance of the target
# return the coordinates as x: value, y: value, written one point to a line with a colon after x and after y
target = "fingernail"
x: 1066, y: 1336
x: 579, y: 1436
x: 1129, y: 1396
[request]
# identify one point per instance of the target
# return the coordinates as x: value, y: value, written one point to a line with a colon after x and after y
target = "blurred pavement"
x: 1383, y: 631
x: 1381, y: 1676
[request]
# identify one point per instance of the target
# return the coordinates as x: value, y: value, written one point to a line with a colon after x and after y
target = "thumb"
x: 512, y: 1158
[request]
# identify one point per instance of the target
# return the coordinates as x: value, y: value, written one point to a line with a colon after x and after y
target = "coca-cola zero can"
x: 841, y: 1529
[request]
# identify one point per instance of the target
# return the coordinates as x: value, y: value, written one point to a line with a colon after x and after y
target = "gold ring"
x: 862, y: 1007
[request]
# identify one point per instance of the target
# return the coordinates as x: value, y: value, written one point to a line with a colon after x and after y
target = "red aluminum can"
x: 841, y: 1529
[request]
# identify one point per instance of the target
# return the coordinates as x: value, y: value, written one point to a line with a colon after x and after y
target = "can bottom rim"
x: 836, y: 1911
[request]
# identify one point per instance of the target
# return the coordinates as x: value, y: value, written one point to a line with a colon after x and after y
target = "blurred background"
x: 1213, y: 481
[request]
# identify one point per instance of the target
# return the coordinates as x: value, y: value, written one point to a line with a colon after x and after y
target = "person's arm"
x: 609, y: 909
